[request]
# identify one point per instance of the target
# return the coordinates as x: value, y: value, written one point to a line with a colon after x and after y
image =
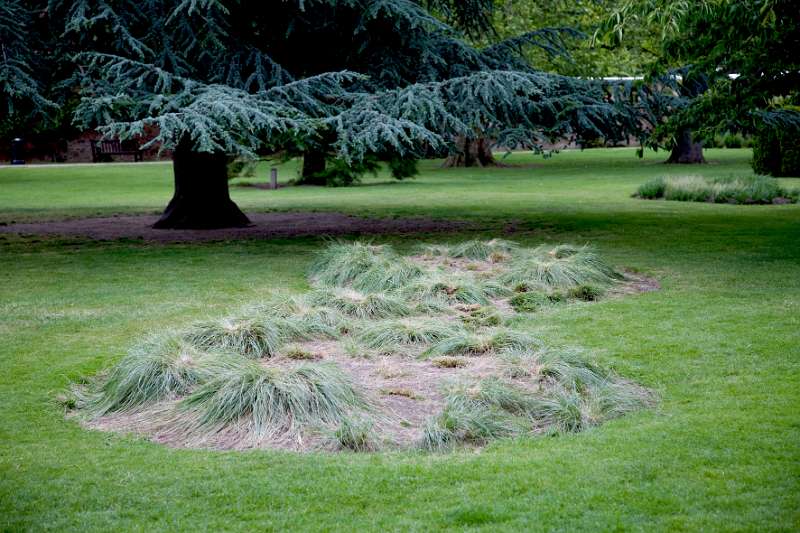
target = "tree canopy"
x: 358, y: 78
x: 735, y: 59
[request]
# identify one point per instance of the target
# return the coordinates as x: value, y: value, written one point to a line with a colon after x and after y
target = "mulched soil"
x: 265, y: 226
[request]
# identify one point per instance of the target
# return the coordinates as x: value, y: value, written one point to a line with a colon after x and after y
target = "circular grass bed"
x: 387, y: 351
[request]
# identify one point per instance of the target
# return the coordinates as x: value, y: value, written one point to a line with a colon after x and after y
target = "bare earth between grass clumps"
x: 265, y: 225
x: 385, y: 352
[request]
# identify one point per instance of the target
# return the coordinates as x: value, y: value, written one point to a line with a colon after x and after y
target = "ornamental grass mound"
x: 730, y: 190
x: 386, y: 351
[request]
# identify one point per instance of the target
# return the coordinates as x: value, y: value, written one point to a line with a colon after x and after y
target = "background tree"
x: 738, y: 67
x: 210, y: 79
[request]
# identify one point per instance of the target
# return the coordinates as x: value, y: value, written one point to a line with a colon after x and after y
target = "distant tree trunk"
x: 201, y: 199
x: 313, y: 166
x: 472, y: 153
x: 686, y: 151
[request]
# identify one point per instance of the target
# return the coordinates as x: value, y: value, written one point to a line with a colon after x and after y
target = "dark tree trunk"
x: 313, y: 166
x: 201, y: 199
x: 472, y: 153
x: 686, y: 151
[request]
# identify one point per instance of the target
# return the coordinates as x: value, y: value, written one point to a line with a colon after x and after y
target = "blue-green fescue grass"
x: 395, y: 336
x: 271, y: 401
x: 451, y: 288
x: 475, y: 249
x: 359, y: 305
x: 365, y: 267
x: 299, y: 317
x: 354, y: 434
x: 559, y: 267
x: 252, y: 337
x: 494, y: 408
x: 488, y: 340
x: 730, y: 189
x: 718, y: 343
x: 157, y: 368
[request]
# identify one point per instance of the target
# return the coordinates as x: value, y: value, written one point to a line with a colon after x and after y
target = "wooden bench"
x: 109, y: 148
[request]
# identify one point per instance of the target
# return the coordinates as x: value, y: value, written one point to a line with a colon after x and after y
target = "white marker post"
x: 273, y: 178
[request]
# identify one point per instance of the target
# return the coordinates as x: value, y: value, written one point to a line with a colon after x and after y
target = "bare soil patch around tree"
x: 265, y: 226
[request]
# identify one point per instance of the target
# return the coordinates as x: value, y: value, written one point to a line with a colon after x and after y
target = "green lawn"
x: 720, y: 343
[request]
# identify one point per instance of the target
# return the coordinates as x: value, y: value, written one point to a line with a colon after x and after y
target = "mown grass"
x: 718, y: 343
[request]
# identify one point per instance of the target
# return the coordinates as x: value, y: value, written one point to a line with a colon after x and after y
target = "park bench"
x: 100, y: 149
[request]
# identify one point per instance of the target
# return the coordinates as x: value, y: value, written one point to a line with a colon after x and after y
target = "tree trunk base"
x: 472, y: 153
x: 686, y: 151
x: 201, y: 199
x: 188, y: 215
x: 313, y: 167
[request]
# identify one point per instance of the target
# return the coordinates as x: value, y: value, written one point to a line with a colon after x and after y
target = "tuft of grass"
x: 365, y: 267
x: 449, y: 362
x: 400, y: 391
x: 470, y: 343
x: 483, y: 250
x: 298, y: 353
x: 494, y: 409
x: 301, y: 319
x: 570, y: 369
x: 272, y: 400
x: 468, y: 418
x: 253, y: 337
x: 319, y: 323
x: 566, y: 367
x: 388, y: 275
x: 355, y: 435
x: 559, y: 410
x: 393, y: 336
x: 359, y: 305
x: 340, y: 263
x: 433, y: 250
x: 480, y: 315
x: 562, y: 266
x: 586, y: 292
x: 616, y: 398
x: 528, y: 302
x: 160, y: 367
x: 576, y: 393
x: 450, y: 289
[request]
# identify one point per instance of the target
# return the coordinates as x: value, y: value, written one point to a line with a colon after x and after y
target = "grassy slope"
x: 720, y: 343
